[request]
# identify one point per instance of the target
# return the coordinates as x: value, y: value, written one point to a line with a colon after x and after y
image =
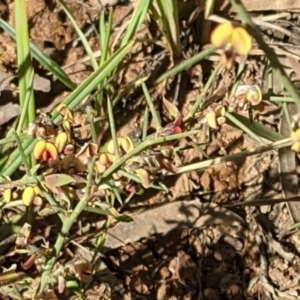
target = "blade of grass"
x: 112, y: 127
x: 90, y: 116
x: 137, y: 179
x: 209, y: 8
x: 133, y: 84
x: 255, y: 128
x: 21, y: 123
x: 138, y: 16
x: 6, y: 148
x: 240, y: 71
x: 288, y: 166
x: 12, y: 139
x: 91, y: 83
x: 151, y: 107
x: 261, y: 202
x: 25, y: 69
x: 287, y: 114
x: 145, y: 123
x: 81, y: 35
x: 238, y: 122
x: 15, y: 159
x: 105, y: 32
x: 43, y: 59
x: 167, y: 10
x: 281, y: 99
x: 23, y: 156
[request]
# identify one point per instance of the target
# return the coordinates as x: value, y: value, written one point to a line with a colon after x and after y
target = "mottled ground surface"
x: 239, y: 252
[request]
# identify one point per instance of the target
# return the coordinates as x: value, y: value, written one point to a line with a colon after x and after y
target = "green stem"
x: 281, y: 99
x: 151, y: 107
x: 15, y: 160
x: 142, y: 146
x: 67, y: 225
x: 112, y: 126
x: 233, y: 157
x: 185, y: 64
x: 92, y: 123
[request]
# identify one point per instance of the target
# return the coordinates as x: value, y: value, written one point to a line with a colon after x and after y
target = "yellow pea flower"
x: 234, y: 40
x: 45, y: 151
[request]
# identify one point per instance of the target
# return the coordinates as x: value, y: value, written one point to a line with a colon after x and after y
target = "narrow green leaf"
x: 185, y: 64
x: 25, y: 70
x: 168, y: 11
x: 91, y: 83
x: 138, y: 16
x: 81, y: 35
x: 258, y: 129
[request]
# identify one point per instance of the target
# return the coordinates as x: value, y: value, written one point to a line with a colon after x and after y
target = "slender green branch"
x: 142, y: 146
x: 243, y: 127
x: 92, y: 123
x: 112, y: 127
x: 219, y: 160
x: 67, y: 225
x: 151, y: 107
x: 185, y: 64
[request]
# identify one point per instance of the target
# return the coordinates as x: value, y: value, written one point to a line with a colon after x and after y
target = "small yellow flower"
x: 68, y: 117
x: 63, y: 110
x: 125, y: 145
x: 296, y: 147
x: 216, y: 117
x: 61, y: 141
x: 295, y: 135
x: 32, y: 195
x: 45, y: 151
x: 234, y: 40
x: 7, y: 195
x: 253, y: 95
x: 103, y: 163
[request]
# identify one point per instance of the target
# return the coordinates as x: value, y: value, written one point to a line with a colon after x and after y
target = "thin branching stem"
x: 67, y: 225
